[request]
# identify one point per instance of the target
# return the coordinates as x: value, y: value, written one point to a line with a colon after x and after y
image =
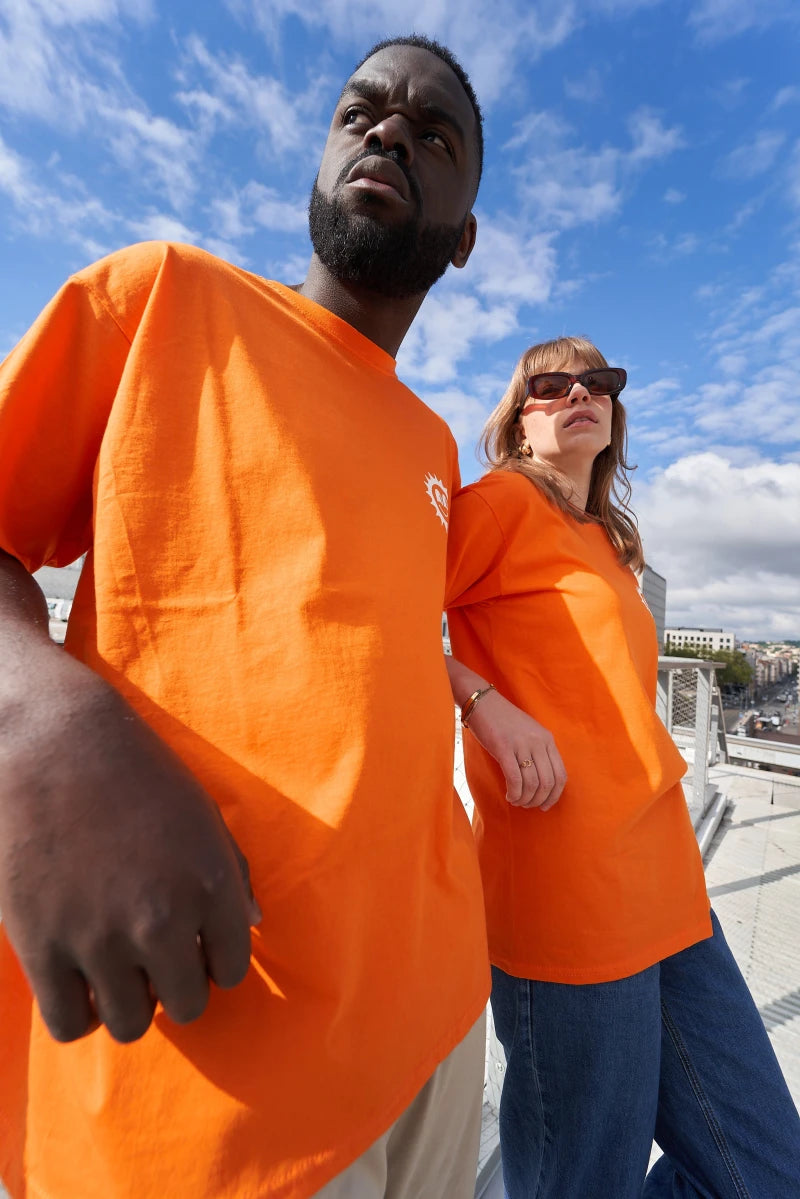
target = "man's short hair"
x: 433, y: 47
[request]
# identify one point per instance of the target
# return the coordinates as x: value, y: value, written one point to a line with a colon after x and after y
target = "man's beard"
x: 396, y: 261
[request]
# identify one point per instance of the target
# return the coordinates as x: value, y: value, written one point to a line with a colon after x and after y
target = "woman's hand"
x: 524, y: 750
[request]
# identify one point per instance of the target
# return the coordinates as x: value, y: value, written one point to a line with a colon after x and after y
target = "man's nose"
x: 393, y: 133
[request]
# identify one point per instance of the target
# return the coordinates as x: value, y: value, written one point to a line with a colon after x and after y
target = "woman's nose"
x: 577, y: 393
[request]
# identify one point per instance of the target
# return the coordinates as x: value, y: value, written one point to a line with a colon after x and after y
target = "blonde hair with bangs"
x: 610, y: 488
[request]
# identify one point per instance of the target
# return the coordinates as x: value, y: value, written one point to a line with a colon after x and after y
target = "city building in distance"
x: 654, y: 590
x: 702, y: 640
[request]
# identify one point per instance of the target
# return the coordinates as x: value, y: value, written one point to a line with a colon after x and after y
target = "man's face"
x: 390, y: 208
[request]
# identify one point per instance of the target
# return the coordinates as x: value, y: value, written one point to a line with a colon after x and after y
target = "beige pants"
x: 431, y: 1150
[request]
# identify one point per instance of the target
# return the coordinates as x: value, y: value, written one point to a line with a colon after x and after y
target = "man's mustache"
x: 392, y: 156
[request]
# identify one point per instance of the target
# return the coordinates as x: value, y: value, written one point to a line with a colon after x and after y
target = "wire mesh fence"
x: 683, y: 708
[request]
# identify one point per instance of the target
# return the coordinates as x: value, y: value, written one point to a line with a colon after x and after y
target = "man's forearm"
x: 33, y: 669
x: 22, y: 603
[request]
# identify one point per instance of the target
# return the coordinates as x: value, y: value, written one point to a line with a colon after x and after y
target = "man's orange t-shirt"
x: 610, y: 879
x: 264, y: 508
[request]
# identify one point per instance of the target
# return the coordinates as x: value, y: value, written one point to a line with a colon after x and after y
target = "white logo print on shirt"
x: 437, y: 493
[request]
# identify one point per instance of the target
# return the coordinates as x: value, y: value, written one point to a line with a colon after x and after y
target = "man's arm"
x: 524, y: 750
x: 120, y: 884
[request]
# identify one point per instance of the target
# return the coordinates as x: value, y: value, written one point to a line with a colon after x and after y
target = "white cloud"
x: 450, y: 324
x: 226, y: 250
x: 651, y: 138
x: 508, y: 270
x: 715, y: 20
x: 153, y: 146
x: 725, y: 537
x: 67, y: 212
x: 743, y: 215
x: 572, y: 186
x: 746, y: 402
x: 761, y: 324
x: 676, y: 247
x: 731, y: 93
x: 673, y: 196
x: 465, y: 414
x: 269, y: 211
x: 651, y: 398
x: 767, y: 411
x: 587, y: 85
x: 758, y: 605
x: 44, y: 47
x: 486, y: 39
x: 160, y: 226
x: 754, y: 157
x: 55, y: 67
x: 506, y: 264
x: 288, y: 119
x: 243, y: 212
x: 794, y: 175
x: 290, y: 269
x: 564, y: 186
x: 13, y: 175
x: 786, y: 95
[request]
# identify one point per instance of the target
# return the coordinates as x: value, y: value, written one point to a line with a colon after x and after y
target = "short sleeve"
x: 57, y: 387
x: 475, y: 551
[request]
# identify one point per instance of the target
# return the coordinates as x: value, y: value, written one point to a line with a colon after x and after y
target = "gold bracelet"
x: 469, y: 707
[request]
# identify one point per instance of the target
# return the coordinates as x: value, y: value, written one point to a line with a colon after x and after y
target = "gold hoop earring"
x: 524, y: 449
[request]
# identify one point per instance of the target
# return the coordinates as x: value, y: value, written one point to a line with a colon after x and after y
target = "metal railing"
x: 688, y: 702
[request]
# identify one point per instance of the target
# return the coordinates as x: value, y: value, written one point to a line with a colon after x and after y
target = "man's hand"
x: 524, y: 750
x: 120, y: 884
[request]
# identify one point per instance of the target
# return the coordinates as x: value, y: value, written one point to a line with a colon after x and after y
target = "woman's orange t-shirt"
x: 610, y: 879
x: 264, y: 508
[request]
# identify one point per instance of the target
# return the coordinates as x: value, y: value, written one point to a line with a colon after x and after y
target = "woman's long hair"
x: 610, y: 489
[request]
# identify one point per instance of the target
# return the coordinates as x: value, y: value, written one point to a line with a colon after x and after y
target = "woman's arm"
x: 524, y: 750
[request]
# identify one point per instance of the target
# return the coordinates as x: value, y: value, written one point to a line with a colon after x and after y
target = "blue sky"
x: 642, y: 186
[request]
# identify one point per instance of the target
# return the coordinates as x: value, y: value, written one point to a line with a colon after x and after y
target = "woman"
x: 621, y: 1011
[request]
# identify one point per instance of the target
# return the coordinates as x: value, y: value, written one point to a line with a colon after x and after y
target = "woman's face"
x: 572, y: 430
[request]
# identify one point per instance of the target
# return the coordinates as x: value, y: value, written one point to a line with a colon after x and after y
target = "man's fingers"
x: 180, y: 980
x: 225, y: 938
x: 124, y: 1000
x: 255, y: 914
x: 64, y: 1001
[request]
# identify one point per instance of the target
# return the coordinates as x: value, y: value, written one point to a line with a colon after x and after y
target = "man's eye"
x: 432, y: 135
x: 352, y: 115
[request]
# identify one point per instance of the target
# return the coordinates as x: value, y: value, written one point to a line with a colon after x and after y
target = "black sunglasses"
x: 554, y: 385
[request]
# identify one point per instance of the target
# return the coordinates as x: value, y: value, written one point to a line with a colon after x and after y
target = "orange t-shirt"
x: 609, y: 880
x: 264, y: 508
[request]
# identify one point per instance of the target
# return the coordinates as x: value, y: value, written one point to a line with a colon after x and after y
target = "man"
x: 255, y: 671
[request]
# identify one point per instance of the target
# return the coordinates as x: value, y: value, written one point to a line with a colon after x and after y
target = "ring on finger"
x: 524, y: 765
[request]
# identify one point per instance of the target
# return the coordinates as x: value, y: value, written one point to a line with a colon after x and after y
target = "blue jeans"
x: 677, y: 1053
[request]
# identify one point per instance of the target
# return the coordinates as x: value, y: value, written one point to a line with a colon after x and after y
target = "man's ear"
x: 466, y: 243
